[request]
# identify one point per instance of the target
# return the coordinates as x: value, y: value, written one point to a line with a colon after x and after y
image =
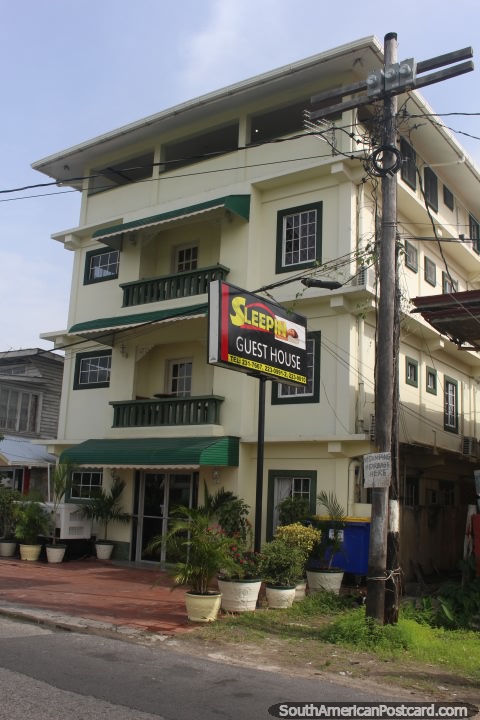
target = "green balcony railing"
x: 199, y: 410
x: 169, y: 287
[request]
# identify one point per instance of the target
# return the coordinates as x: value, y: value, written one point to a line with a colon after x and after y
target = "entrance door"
x: 158, y: 494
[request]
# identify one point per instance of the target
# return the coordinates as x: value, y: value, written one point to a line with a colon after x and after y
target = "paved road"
x: 53, y: 675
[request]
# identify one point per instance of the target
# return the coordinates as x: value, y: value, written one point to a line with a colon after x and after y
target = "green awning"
x: 109, y: 325
x: 237, y: 204
x: 183, y: 452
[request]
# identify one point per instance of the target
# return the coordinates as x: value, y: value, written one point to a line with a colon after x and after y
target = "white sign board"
x: 377, y: 469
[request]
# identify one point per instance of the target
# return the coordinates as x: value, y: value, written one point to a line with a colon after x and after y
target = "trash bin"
x: 356, y: 539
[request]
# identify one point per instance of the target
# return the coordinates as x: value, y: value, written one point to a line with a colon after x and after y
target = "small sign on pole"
x: 377, y: 470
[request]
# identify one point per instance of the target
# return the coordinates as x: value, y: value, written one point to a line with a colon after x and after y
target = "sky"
x: 72, y: 71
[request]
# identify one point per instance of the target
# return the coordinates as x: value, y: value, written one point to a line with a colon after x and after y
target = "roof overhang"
x: 107, y: 328
x: 456, y: 315
x: 20, y: 452
x: 236, y: 204
x: 159, y: 453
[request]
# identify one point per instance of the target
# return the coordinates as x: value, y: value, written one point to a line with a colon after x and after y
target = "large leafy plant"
x: 32, y: 520
x: 281, y: 564
x: 105, y: 507
x: 8, y: 503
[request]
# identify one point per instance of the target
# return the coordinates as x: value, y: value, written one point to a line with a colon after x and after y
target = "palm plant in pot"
x: 282, y: 566
x: 105, y: 508
x: 204, y: 550
x: 322, y: 574
x: 32, y: 521
x: 8, y: 502
x: 60, y: 484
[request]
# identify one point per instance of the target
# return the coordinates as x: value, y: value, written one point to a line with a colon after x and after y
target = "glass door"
x: 159, y: 494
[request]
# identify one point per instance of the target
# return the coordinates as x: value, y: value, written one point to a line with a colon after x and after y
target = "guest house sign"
x: 249, y: 334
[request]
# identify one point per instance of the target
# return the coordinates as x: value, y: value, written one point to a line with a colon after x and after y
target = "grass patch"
x: 332, y: 620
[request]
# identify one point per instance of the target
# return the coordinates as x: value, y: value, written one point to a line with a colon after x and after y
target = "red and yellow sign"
x: 250, y: 334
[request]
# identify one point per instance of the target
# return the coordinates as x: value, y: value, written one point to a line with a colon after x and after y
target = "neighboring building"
x: 231, y: 186
x: 30, y: 390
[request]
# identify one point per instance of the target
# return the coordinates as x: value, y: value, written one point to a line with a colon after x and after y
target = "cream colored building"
x: 234, y: 185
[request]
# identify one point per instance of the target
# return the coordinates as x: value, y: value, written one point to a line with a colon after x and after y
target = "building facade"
x: 30, y: 390
x: 239, y: 186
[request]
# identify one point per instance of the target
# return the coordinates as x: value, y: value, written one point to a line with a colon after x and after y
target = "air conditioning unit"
x: 470, y: 446
x: 70, y: 522
x: 373, y: 427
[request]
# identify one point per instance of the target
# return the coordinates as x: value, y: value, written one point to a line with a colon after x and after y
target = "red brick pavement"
x: 90, y: 589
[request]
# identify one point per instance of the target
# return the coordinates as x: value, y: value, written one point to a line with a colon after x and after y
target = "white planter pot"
x: 280, y: 597
x: 30, y: 552
x: 239, y: 595
x: 203, y: 608
x: 104, y: 550
x: 7, y: 549
x: 300, y: 590
x: 319, y: 580
x: 55, y: 553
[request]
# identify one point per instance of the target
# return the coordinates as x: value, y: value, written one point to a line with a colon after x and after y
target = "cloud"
x: 238, y: 39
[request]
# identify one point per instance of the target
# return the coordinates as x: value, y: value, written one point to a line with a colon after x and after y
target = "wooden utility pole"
x: 386, y: 84
x: 377, y: 561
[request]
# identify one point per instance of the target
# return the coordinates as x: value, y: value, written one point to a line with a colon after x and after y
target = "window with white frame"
x: 411, y: 256
x: 309, y: 393
x: 448, y: 284
x: 285, y: 484
x: 451, y: 405
x: 92, y: 370
x: 186, y: 258
x: 299, y: 236
x: 85, y: 484
x: 180, y: 378
x: 19, y: 410
x: 411, y: 372
x: 101, y: 265
x: 430, y: 271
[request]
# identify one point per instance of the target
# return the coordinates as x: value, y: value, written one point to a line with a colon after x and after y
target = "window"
x: 411, y: 256
x: 299, y: 233
x: 409, y: 164
x: 448, y: 198
x: 431, y: 384
x: 92, y: 370
x: 283, y: 394
x: 19, y: 410
x: 411, y: 492
x: 13, y: 370
x: 101, y: 265
x: 411, y: 372
x: 474, y: 232
x: 85, y: 484
x: 451, y: 405
x: 200, y: 147
x: 448, y: 285
x: 121, y: 173
x: 289, y: 483
x: 430, y: 271
x: 431, y: 188
x: 186, y: 259
x: 180, y: 380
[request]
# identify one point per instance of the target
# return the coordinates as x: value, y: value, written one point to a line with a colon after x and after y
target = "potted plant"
x: 205, y: 550
x: 321, y: 572
x: 60, y: 485
x: 240, y: 582
x: 282, y: 566
x: 8, y: 501
x: 32, y: 520
x: 305, y: 537
x: 105, y: 508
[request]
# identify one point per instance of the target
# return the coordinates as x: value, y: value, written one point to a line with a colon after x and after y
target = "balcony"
x: 199, y: 410
x: 170, y: 287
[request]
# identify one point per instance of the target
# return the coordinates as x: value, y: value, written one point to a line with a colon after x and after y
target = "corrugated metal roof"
x: 455, y: 315
x: 21, y: 452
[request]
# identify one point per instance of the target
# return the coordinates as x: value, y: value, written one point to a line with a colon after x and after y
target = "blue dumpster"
x: 354, y: 556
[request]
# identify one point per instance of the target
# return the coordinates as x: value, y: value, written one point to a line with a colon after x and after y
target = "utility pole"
x: 386, y: 84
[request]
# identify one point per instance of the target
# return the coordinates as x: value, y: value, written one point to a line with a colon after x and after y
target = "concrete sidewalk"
x: 94, y: 596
